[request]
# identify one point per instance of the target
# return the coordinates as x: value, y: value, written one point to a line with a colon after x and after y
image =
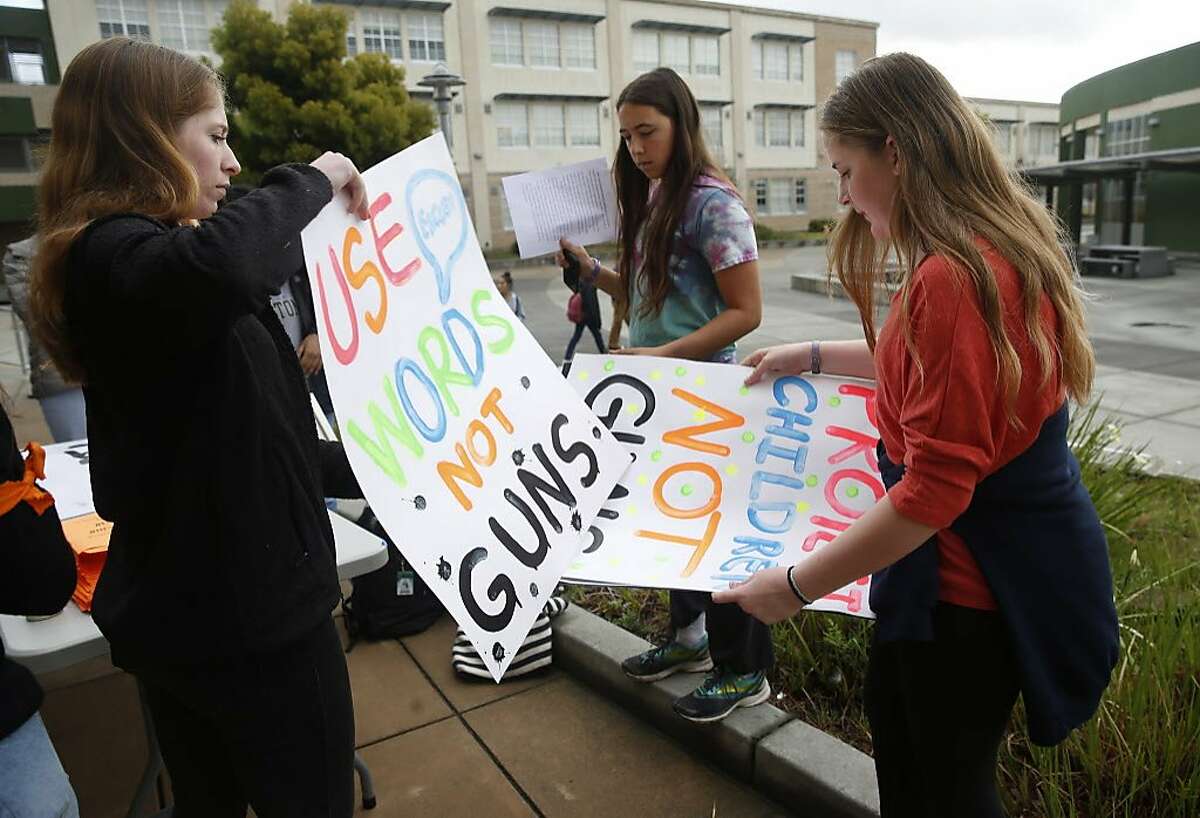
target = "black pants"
x: 579, y: 328
x: 736, y: 640
x: 274, y: 731
x: 938, y: 711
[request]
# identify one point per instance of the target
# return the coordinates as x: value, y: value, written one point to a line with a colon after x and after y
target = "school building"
x: 1025, y: 133
x: 1129, y: 155
x: 542, y: 78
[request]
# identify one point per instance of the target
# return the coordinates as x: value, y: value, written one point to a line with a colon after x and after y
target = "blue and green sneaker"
x: 721, y: 693
x: 661, y: 662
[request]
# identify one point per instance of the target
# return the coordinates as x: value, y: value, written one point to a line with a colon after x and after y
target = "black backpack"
x: 391, y: 601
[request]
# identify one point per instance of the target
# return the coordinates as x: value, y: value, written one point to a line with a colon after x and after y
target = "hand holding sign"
x: 344, y: 176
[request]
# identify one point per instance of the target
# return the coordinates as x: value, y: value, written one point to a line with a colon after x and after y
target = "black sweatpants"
x: 938, y: 711
x: 274, y: 731
x: 736, y: 640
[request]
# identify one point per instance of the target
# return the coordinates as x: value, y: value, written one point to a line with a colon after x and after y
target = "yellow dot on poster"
x: 700, y: 380
x: 681, y: 371
x: 583, y: 375
x: 614, y: 562
x: 802, y: 506
x: 852, y: 491
x: 661, y: 558
x: 656, y: 455
x: 633, y: 408
x: 686, y: 490
x: 699, y: 414
x: 643, y: 480
x: 731, y: 470
x: 835, y: 401
x: 748, y: 437
x: 575, y: 566
x: 631, y: 510
x: 656, y: 374
x: 609, y: 366
x: 745, y: 390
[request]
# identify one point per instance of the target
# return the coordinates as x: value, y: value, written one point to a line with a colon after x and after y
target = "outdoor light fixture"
x: 441, y: 81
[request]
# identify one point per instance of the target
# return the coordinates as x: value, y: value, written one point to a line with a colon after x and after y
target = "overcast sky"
x: 1018, y: 49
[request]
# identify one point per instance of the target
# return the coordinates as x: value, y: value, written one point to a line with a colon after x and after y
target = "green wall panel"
x: 16, y: 116
x: 1166, y: 73
x: 16, y: 204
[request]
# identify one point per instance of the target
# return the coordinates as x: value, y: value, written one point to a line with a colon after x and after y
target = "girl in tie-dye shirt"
x: 688, y: 275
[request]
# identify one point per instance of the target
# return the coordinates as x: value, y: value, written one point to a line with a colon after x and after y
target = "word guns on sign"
x: 727, y: 480
x: 480, y: 461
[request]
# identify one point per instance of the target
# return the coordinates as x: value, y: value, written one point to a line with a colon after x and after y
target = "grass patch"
x: 1137, y: 756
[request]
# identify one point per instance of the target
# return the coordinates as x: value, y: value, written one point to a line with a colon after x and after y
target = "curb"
x: 819, y: 284
x: 809, y: 771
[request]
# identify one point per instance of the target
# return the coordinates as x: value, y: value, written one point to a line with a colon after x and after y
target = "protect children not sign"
x: 727, y: 480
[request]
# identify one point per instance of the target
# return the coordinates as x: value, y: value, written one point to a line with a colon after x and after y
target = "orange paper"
x: 88, y: 536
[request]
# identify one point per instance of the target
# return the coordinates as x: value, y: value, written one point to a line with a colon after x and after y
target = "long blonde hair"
x: 111, y: 151
x: 952, y: 188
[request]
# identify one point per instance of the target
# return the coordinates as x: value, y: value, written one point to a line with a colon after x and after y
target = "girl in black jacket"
x: 221, y: 571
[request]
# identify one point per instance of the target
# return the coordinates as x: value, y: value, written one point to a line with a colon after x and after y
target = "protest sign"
x: 480, y: 461
x: 727, y: 480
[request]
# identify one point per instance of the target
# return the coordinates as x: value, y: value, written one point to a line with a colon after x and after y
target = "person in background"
x: 504, y: 283
x: 37, y: 576
x: 221, y: 574
x: 61, y: 402
x: 688, y: 273
x: 991, y: 570
x: 583, y: 309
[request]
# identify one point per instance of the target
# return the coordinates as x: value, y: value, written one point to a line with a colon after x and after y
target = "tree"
x: 294, y: 94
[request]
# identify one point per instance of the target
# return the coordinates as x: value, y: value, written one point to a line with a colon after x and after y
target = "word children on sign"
x: 482, y: 464
x: 727, y: 480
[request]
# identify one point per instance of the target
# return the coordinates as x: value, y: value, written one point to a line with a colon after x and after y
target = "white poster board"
x: 727, y: 480
x: 480, y: 461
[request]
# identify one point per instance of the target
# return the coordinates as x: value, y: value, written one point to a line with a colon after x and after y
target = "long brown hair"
x: 112, y: 151
x: 663, y: 90
x: 953, y: 187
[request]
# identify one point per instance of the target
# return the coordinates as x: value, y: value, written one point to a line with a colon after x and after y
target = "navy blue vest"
x: 1033, y: 530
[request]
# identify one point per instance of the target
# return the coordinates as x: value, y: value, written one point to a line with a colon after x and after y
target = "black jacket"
x: 37, y: 576
x: 212, y: 472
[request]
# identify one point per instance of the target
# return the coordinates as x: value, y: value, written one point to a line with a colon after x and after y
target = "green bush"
x: 764, y: 232
x: 820, y: 225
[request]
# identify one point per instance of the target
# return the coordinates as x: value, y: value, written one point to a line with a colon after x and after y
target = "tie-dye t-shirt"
x: 715, y: 233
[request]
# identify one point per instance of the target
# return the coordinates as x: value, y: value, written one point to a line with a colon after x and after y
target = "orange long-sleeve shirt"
x: 948, y: 421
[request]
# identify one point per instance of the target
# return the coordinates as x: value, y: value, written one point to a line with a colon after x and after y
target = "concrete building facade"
x: 1025, y: 133
x: 543, y: 77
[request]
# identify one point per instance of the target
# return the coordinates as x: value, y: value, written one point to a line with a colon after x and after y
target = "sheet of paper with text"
x: 727, y: 479
x: 576, y: 202
x: 481, y: 462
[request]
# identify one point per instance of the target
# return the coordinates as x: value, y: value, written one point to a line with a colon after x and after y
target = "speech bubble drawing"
x: 438, y: 211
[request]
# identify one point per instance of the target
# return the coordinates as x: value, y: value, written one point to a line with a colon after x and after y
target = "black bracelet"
x: 815, y: 364
x: 804, y: 601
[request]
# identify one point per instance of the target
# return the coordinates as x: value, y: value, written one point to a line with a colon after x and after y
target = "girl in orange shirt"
x: 991, y: 574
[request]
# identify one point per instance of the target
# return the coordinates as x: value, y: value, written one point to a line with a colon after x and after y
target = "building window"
x: 1125, y: 136
x: 505, y: 214
x: 844, y: 64
x: 506, y: 41
x: 645, y: 51
x: 683, y: 53
x: 17, y: 154
x: 760, y: 195
x: 797, y: 129
x: 351, y: 43
x: 183, y: 25
x: 583, y: 124
x: 543, y: 44
x: 512, y: 125
x: 779, y: 133
x: 676, y: 53
x: 426, y: 40
x: 21, y: 61
x: 706, y: 56
x: 123, y: 18
x: 1002, y: 136
x: 776, y: 60
x: 780, y: 197
x: 548, y: 129
x: 710, y: 122
x: 579, y: 46
x: 1042, y: 140
x: 381, y: 34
